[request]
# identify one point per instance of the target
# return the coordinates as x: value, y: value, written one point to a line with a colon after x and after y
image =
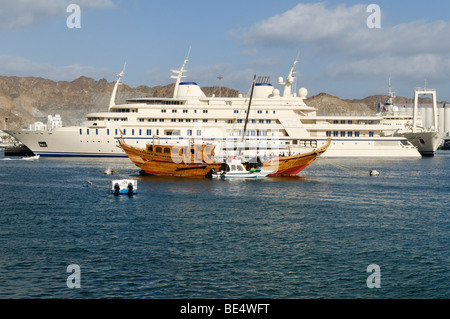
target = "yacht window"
x: 158, y: 150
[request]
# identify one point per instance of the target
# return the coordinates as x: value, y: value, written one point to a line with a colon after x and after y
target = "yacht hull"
x: 427, y: 143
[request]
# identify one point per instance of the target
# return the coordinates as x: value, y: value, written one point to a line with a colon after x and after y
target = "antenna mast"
x: 178, y: 74
x: 112, y: 101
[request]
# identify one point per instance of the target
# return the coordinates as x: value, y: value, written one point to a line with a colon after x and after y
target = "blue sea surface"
x: 311, y: 236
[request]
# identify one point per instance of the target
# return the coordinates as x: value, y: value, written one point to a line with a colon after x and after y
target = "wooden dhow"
x: 198, y: 160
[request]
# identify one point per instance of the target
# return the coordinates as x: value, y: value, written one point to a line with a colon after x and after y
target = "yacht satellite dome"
x: 395, y: 108
x: 302, y: 92
x: 276, y: 93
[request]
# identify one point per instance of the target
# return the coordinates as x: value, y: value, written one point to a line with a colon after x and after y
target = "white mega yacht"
x: 426, y: 137
x: 277, y: 122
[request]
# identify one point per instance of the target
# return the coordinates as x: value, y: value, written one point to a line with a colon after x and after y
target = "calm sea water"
x: 311, y: 236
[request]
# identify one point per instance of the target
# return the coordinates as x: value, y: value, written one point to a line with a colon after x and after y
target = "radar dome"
x: 395, y: 108
x: 302, y: 92
x: 276, y: 93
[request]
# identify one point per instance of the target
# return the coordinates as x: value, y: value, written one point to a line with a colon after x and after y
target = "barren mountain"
x: 329, y: 104
x: 25, y: 100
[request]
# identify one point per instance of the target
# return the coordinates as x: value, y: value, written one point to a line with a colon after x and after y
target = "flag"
x: 121, y: 133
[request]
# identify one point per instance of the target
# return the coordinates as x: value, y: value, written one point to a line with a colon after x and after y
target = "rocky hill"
x: 329, y: 104
x: 25, y: 100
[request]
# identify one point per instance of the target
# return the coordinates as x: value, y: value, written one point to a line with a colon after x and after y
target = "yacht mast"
x: 289, y: 81
x: 248, y: 110
x: 112, y: 101
x: 178, y: 74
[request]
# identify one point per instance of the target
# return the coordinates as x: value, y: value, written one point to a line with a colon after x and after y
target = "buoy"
x: 374, y: 173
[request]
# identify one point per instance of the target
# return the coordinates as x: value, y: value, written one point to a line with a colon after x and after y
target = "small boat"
x: 124, y: 186
x: 236, y: 169
x: 31, y: 158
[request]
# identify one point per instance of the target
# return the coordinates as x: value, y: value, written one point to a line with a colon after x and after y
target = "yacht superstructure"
x: 277, y: 123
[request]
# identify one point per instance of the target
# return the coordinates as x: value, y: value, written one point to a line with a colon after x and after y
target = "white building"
x: 54, y: 122
x: 37, y: 126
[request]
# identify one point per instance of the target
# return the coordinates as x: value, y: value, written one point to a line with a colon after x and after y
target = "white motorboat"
x: 235, y: 169
x: 31, y: 158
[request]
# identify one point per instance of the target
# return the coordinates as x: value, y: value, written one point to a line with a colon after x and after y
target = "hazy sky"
x: 235, y: 39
